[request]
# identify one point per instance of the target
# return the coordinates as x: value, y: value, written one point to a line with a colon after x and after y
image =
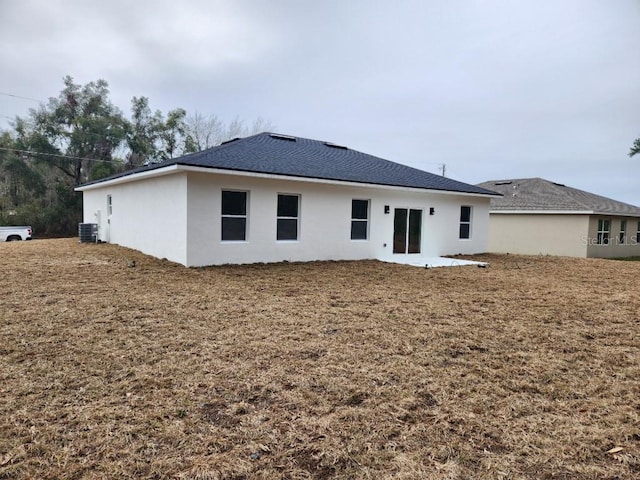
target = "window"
x: 603, y: 232
x: 287, y: 217
x: 234, y: 216
x: 359, y: 219
x: 109, y: 205
x: 638, y: 235
x: 465, y: 222
x: 622, y: 237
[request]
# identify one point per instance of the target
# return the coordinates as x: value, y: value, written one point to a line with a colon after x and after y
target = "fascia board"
x: 272, y: 176
x: 157, y: 172
x: 176, y: 168
x: 541, y: 212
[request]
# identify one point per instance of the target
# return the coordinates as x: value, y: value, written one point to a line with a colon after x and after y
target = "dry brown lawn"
x: 528, y: 369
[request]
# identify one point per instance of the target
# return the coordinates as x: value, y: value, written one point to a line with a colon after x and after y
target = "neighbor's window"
x: 622, y: 237
x: 287, y: 217
x: 234, y: 216
x: 359, y: 219
x: 638, y: 235
x: 603, y: 232
x: 465, y: 222
x: 109, y: 205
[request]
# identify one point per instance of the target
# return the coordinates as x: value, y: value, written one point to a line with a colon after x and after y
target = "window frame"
x: 603, y: 236
x: 356, y: 220
x: 466, y: 223
x: 283, y: 218
x: 244, y: 216
x: 622, y: 234
x: 109, y: 205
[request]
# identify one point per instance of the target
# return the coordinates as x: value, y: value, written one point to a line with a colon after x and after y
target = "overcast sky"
x: 493, y: 89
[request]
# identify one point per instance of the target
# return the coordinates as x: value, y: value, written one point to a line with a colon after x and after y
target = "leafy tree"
x: 67, y: 141
x: 635, y: 149
x: 22, y: 183
x: 18, y: 177
x: 81, y: 136
x: 172, y: 134
x: 142, y: 133
x: 79, y: 126
x: 104, y: 169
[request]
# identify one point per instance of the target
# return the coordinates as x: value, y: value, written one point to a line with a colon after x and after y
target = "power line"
x: 20, y: 96
x: 70, y: 157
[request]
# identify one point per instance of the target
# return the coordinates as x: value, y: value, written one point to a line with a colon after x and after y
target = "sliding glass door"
x: 407, y: 230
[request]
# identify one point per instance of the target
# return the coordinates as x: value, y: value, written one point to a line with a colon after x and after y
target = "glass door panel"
x: 400, y: 230
x: 415, y: 231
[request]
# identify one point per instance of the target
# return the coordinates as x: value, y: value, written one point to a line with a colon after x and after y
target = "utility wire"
x: 20, y: 96
x: 29, y: 152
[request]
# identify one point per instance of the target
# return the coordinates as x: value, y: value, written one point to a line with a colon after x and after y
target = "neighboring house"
x: 536, y: 216
x: 272, y: 198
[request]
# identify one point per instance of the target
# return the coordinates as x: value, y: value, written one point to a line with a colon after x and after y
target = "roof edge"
x: 541, y: 212
x: 329, y: 181
x: 177, y: 167
x: 132, y: 177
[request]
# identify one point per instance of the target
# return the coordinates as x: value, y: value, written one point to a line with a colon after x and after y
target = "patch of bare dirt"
x: 117, y: 365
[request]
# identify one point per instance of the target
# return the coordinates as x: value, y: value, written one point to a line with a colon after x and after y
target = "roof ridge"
x: 558, y: 188
x: 602, y: 197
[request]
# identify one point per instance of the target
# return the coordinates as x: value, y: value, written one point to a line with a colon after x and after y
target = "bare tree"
x: 203, y: 131
x: 261, y: 125
x: 235, y: 129
x: 206, y: 131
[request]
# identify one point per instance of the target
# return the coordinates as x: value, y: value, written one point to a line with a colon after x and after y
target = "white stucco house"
x: 536, y: 216
x: 273, y: 198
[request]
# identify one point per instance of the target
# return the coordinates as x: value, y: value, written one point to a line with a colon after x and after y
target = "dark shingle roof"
x: 301, y: 157
x: 538, y: 194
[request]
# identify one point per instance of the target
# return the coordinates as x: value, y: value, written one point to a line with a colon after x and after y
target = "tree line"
x: 80, y: 136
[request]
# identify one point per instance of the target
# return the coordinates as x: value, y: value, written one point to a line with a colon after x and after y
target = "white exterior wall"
x: 177, y: 215
x: 149, y: 215
x: 535, y: 234
x: 324, y: 222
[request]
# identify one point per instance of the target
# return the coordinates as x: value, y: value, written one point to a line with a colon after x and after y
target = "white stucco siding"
x: 443, y: 232
x: 149, y: 215
x: 534, y: 234
x: 94, y: 210
x: 324, y: 221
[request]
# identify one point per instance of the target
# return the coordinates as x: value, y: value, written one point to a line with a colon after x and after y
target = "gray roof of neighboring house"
x: 285, y: 155
x: 538, y: 194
